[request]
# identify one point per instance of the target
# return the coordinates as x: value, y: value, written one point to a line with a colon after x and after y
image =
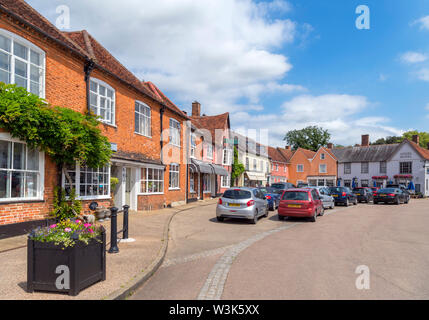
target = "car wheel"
x: 281, y: 218
x: 375, y: 202
x: 355, y: 203
x: 314, y: 217
x: 398, y: 202
x: 255, y: 218
x: 266, y: 211
x: 220, y: 219
x: 322, y: 212
x: 347, y: 202
x: 408, y: 200
x: 333, y: 205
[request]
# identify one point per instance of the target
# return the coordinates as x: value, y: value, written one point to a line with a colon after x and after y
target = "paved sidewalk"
x: 135, y: 259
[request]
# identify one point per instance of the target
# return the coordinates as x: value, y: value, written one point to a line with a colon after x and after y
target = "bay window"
x: 21, y: 63
x: 152, y: 181
x: 88, y: 183
x: 174, y: 177
x: 102, y: 100
x: 142, y: 120
x: 21, y: 172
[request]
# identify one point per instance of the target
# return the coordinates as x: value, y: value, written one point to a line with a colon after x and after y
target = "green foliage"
x: 388, y: 140
x: 423, y: 136
x: 311, y: 138
x: 65, y: 135
x: 66, y: 233
x: 65, y: 208
x: 113, y: 183
x: 237, y: 168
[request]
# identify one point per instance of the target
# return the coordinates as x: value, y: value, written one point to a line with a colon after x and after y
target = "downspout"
x: 89, y: 66
x: 187, y: 138
x: 161, y: 114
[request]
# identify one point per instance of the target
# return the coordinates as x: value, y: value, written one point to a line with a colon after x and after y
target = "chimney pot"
x: 196, y: 109
x: 330, y: 145
x: 365, y: 140
x: 287, y: 147
x: 416, y: 139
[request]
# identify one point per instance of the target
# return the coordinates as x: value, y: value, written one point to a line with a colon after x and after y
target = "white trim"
x: 99, y: 82
x: 170, y: 131
x: 141, y: 103
x: 298, y: 166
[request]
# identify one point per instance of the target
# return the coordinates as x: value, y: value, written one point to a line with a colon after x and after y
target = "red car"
x: 374, y: 190
x: 304, y: 203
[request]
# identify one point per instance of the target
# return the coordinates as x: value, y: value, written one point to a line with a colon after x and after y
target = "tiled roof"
x: 24, y: 12
x: 286, y: 153
x: 422, y: 151
x: 308, y: 153
x: 330, y: 152
x: 276, y: 155
x: 372, y: 153
x: 211, y: 123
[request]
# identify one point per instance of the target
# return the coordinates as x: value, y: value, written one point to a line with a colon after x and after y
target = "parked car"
x: 242, y: 203
x: 302, y: 185
x: 343, y: 195
x: 400, y: 186
x: 282, y: 186
x: 327, y: 199
x: 364, y: 194
x: 391, y: 195
x: 304, y: 203
x: 374, y: 190
x: 273, y: 198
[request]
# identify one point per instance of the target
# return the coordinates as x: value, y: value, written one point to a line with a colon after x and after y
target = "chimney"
x: 287, y: 147
x: 196, y: 109
x: 330, y: 145
x: 416, y: 139
x: 365, y: 140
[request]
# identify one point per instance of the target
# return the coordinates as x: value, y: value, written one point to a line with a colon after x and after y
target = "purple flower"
x: 67, y: 229
x: 53, y: 226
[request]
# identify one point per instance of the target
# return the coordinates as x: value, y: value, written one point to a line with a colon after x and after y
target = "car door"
x: 323, y: 196
x: 258, y: 201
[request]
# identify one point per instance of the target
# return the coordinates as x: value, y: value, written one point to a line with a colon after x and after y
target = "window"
x: 152, y: 180
x: 322, y: 168
x: 192, y: 183
x: 175, y: 132
x: 300, y: 168
x: 20, y: 172
x: 174, y: 176
x: 254, y: 165
x: 261, y: 166
x: 21, y: 63
x: 364, y: 166
x: 209, y: 151
x: 102, y: 100
x: 347, y: 183
x: 364, y: 183
x: 225, y: 181
x: 347, y: 168
x: 88, y: 183
x: 142, y: 119
x: 193, y: 145
x: 322, y: 156
x: 277, y: 167
x: 427, y: 170
x: 207, y: 186
x: 405, y: 167
x: 383, y: 167
x: 247, y: 164
x: 227, y: 157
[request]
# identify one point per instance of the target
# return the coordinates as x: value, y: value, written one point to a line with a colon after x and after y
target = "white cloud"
x: 422, y: 22
x: 423, y: 74
x: 413, y: 57
x: 337, y: 113
x: 223, y: 53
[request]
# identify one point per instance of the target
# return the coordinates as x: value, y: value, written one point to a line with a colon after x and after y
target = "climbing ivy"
x: 237, y: 167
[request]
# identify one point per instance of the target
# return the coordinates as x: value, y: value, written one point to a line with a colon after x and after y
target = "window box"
x: 86, y: 264
x: 403, y: 176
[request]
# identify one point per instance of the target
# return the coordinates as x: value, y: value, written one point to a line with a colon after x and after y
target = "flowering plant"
x: 66, y: 232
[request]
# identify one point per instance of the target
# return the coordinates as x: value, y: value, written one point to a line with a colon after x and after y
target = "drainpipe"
x: 89, y: 66
x: 187, y: 137
x: 161, y: 114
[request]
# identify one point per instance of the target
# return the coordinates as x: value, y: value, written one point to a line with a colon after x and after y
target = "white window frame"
x: 383, y: 164
x: 227, y: 157
x: 209, y: 151
x: 147, y: 181
x: 12, y: 58
x: 321, y: 166
x: 297, y: 168
x: 112, y: 101
x: 174, y: 176
x: 402, y: 165
x: 364, y: 165
x: 347, y: 168
x: 143, y: 119
x: 228, y: 181
x: 4, y: 136
x: 192, y: 183
x: 174, y: 132
x: 77, y: 184
x: 322, y: 156
x: 193, y: 145
x: 207, y: 185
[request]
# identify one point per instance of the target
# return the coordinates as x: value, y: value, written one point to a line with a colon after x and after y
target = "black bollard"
x: 114, y: 230
x: 125, y: 231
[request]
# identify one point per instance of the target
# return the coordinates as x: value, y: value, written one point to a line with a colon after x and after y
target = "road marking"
x: 215, y: 282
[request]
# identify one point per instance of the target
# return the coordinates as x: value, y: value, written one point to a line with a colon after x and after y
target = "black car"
x: 391, y: 195
x: 364, y: 194
x: 279, y: 187
x: 343, y: 195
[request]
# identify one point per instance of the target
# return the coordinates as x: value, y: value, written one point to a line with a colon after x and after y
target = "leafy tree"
x: 237, y: 168
x: 63, y: 134
x: 423, y: 136
x: 388, y: 140
x: 311, y: 138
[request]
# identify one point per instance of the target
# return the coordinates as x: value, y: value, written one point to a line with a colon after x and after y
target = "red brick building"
x: 279, y: 165
x: 210, y: 155
x: 73, y: 70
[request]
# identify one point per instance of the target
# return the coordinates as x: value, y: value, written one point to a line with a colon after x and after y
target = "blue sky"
x: 274, y: 65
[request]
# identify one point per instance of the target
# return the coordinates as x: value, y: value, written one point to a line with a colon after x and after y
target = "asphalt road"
x: 296, y: 259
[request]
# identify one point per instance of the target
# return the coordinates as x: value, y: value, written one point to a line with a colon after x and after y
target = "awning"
x: 203, y: 167
x: 255, y: 176
x: 219, y: 170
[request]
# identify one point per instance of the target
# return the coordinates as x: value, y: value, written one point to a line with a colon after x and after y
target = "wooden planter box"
x: 86, y: 263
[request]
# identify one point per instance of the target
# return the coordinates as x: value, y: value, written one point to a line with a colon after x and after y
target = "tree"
x: 67, y: 136
x: 237, y: 168
x: 311, y: 138
x: 423, y: 136
x: 388, y: 140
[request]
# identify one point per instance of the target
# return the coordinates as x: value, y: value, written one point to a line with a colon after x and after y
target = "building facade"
x: 279, y: 166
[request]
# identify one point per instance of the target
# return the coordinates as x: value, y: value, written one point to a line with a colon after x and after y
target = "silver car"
x: 327, y: 200
x: 242, y: 203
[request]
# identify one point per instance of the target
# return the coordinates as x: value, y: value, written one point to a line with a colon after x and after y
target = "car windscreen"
x: 264, y: 190
x: 295, y: 195
x: 237, y: 194
x: 336, y: 189
x: 278, y: 186
x: 388, y: 190
x: 358, y: 189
